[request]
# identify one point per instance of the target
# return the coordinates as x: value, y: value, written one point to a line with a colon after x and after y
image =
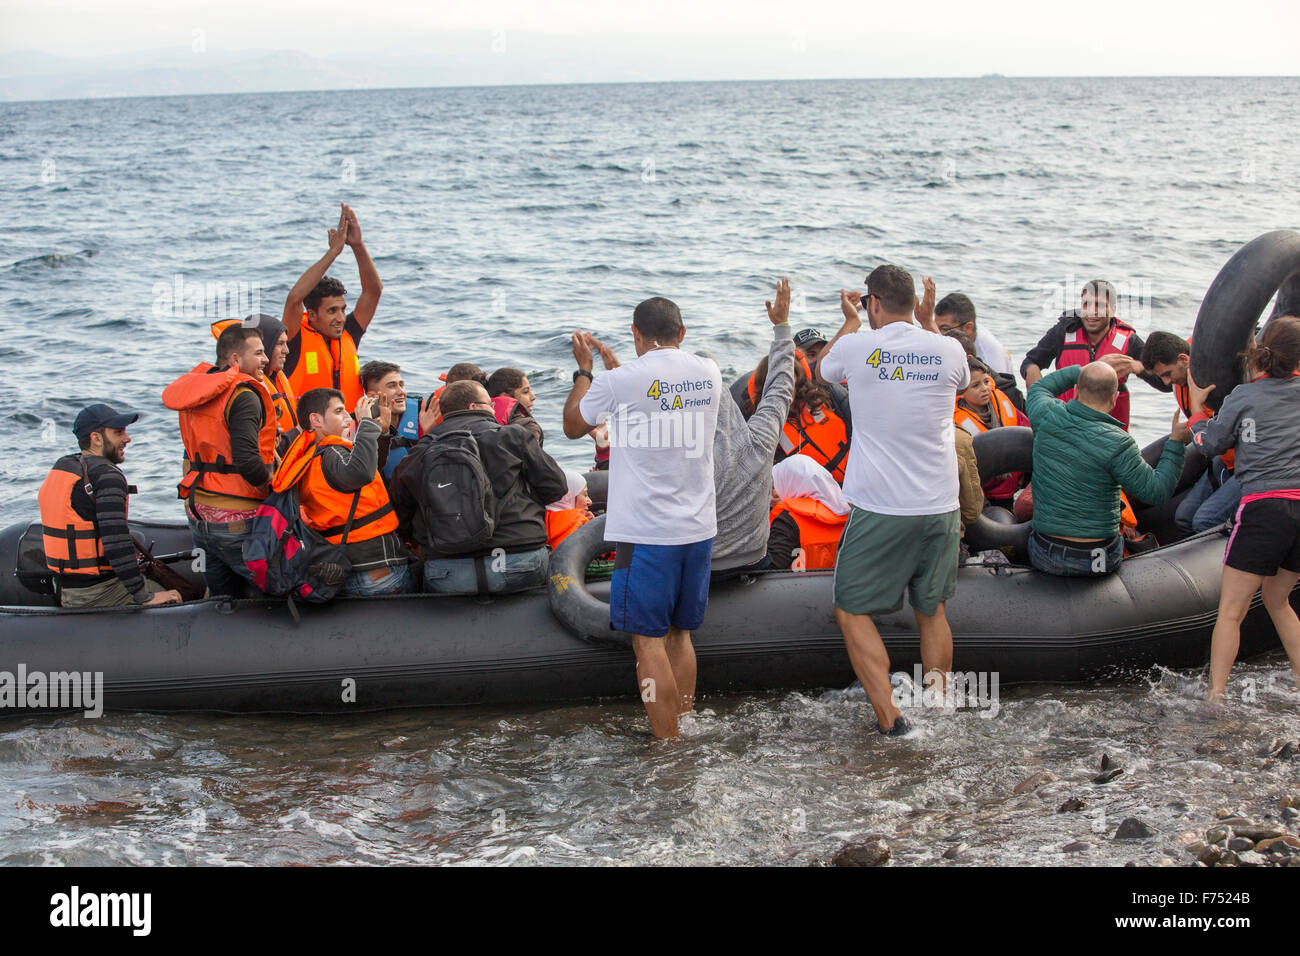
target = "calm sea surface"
x: 501, y: 219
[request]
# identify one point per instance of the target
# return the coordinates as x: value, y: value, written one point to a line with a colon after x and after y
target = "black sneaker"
x: 901, y: 727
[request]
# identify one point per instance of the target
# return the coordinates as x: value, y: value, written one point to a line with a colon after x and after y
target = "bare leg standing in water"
x: 1235, y: 596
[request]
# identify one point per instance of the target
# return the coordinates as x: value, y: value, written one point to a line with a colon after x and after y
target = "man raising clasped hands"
x: 663, y: 409
x: 904, y: 527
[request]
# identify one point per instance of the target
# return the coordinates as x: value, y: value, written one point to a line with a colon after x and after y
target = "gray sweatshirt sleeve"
x: 1216, y: 435
x: 778, y: 392
x: 353, y: 469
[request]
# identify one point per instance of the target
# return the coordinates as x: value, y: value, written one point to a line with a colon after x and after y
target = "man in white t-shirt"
x: 956, y: 311
x: 904, y: 527
x: 663, y: 412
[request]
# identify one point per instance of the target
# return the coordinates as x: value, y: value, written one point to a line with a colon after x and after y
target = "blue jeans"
x: 224, y: 570
x: 506, y: 571
x: 1211, y: 501
x: 1084, y: 561
x: 362, y: 584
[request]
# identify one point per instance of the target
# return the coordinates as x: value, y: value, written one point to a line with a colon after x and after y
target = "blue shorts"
x: 660, y: 586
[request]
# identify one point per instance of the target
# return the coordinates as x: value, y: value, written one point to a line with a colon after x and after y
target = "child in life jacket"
x: 807, y: 518
x: 571, y: 512
x: 981, y: 407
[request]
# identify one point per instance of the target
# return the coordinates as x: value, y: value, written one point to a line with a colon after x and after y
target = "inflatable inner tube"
x: 572, y: 604
x: 598, y: 487
x: 997, y: 452
x: 1234, y: 302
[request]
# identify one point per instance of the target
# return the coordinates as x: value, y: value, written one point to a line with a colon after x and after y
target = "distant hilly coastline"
x: 477, y: 58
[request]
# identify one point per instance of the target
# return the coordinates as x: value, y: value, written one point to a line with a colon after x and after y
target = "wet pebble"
x: 1256, y: 833
x: 1034, y: 781
x: 1251, y: 858
x: 1216, y: 834
x: 1240, y: 844
x: 1285, y: 845
x: 870, y: 853
x: 1290, y: 813
x: 1076, y: 846
x: 1073, y: 805
x: 955, y: 852
x: 1133, y: 829
x: 1209, y: 856
x: 1106, y: 776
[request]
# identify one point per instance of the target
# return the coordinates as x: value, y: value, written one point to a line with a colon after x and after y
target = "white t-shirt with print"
x: 663, y: 413
x: 903, y: 383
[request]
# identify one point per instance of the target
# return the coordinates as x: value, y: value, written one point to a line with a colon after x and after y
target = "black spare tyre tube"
x: 998, y: 451
x: 572, y: 604
x: 1233, y: 304
x: 598, y: 487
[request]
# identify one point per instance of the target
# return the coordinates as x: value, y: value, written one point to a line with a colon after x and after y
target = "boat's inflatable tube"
x: 1232, y: 306
x: 572, y: 604
x: 997, y: 452
x: 763, y: 632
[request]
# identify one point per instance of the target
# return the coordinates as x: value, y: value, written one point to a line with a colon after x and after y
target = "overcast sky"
x: 838, y: 37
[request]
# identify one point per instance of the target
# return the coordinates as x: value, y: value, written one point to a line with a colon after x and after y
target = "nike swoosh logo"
x: 447, y: 485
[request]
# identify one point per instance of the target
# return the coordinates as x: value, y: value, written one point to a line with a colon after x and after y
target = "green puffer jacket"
x: 1081, y: 460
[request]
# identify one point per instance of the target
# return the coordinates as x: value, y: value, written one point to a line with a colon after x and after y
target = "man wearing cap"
x: 83, y: 503
x: 813, y: 345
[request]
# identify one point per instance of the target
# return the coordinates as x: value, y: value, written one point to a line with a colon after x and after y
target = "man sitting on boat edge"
x: 1083, y: 457
x: 83, y: 503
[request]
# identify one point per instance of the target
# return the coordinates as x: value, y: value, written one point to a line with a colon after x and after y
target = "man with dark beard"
x: 83, y: 504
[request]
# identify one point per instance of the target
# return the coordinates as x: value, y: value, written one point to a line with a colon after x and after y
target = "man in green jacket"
x: 1082, y: 458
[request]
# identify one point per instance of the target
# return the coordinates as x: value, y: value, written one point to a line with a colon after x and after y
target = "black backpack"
x: 459, y: 507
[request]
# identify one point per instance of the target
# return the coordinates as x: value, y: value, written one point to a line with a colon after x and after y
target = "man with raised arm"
x: 323, y: 335
x: 904, y: 528
x: 663, y: 409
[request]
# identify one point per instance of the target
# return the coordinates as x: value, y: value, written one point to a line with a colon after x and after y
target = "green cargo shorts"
x: 882, y: 555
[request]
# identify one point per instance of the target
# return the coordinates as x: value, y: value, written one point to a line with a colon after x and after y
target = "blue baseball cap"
x: 93, y: 417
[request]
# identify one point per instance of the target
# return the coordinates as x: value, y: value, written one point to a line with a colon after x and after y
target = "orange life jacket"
x: 1077, y: 351
x: 327, y: 363
x: 561, y: 524
x: 1183, y: 395
x: 1127, y: 516
x: 1004, y: 412
x: 72, y: 543
x: 821, y: 436
x: 284, y: 400
x: 282, y: 397
x: 203, y: 402
x: 819, y: 530
x: 324, y: 508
